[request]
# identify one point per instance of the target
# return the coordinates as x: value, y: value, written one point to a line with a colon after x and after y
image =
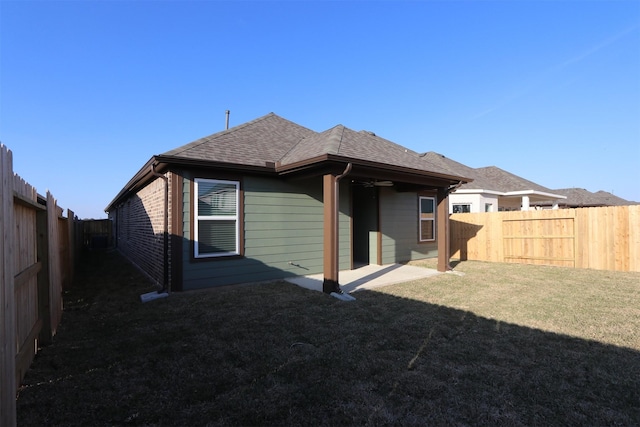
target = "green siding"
x: 283, y: 234
x: 399, y: 227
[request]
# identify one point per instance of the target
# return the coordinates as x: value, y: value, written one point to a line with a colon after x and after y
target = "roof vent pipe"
x: 226, y: 124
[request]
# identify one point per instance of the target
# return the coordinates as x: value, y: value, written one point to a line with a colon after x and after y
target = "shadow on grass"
x: 276, y: 354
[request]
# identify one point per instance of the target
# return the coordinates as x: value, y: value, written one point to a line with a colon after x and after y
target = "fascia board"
x: 534, y: 193
x: 478, y: 191
x: 366, y: 163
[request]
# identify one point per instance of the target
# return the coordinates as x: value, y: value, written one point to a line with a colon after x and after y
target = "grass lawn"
x: 503, y: 344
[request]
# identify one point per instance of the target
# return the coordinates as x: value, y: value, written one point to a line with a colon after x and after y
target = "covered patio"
x: 367, y: 277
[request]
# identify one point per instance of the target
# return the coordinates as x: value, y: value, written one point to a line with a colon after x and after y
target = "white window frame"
x: 469, y: 205
x: 197, y: 218
x: 420, y: 219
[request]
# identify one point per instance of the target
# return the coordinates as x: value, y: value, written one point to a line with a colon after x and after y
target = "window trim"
x: 196, y: 218
x: 432, y: 220
x: 453, y: 207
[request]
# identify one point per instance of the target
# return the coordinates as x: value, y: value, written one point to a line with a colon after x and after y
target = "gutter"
x: 138, y: 181
x: 143, y: 176
x: 316, y: 161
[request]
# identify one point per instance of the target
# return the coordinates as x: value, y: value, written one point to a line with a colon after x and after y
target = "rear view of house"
x: 271, y: 199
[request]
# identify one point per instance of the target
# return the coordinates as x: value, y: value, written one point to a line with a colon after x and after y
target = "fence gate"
x: 549, y: 241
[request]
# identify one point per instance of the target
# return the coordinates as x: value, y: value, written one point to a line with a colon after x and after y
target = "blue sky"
x: 548, y: 90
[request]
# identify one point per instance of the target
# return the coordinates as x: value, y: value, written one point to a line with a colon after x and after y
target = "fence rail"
x: 37, y: 255
x: 603, y: 238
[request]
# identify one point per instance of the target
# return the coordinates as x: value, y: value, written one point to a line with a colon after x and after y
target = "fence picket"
x: 7, y: 295
x: 604, y: 238
x: 37, y: 255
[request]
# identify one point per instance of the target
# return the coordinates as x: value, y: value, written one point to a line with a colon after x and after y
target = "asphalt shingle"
x: 265, y: 139
x: 579, y: 197
x: 274, y: 139
x: 504, y: 181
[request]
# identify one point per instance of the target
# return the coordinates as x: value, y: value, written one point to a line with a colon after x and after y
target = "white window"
x: 488, y: 207
x: 216, y: 228
x: 427, y: 219
x: 461, y: 208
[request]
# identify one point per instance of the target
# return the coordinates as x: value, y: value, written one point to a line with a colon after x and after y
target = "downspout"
x: 336, y: 232
x: 165, y: 237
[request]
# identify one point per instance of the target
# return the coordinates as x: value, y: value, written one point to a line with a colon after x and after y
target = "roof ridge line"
x: 279, y: 161
x: 233, y: 129
x: 335, y: 142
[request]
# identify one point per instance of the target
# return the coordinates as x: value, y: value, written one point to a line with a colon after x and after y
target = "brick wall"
x: 139, y: 223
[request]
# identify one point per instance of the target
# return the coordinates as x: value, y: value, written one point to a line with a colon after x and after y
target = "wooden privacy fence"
x: 37, y: 256
x: 604, y: 238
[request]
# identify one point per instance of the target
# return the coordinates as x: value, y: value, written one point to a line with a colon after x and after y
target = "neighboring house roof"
x: 491, y: 179
x: 495, y: 180
x: 508, y: 182
x: 613, y: 200
x: 579, y: 197
x: 272, y: 144
x: 479, y: 181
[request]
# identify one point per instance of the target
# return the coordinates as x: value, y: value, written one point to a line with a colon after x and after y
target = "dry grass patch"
x: 590, y: 304
x: 446, y: 350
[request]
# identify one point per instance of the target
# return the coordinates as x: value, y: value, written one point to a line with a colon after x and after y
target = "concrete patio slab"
x: 367, y: 277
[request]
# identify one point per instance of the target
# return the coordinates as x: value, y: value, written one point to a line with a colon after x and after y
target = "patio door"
x: 364, y: 202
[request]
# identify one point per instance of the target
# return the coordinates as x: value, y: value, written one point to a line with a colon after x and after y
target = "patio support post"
x: 442, y: 221
x: 331, y: 200
x: 329, y: 186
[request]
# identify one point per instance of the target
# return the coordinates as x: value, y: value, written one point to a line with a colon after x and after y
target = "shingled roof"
x: 491, y: 179
x: 274, y: 145
x: 580, y: 197
x: 612, y: 199
x: 363, y: 145
x: 265, y: 139
x: 504, y: 181
x: 495, y: 179
x: 272, y: 139
x: 456, y: 168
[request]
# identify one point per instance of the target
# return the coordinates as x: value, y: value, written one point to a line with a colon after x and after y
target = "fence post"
x: 71, y: 250
x: 55, y: 267
x: 7, y: 293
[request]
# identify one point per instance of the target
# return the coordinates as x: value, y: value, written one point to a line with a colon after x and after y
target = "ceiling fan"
x: 375, y: 183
